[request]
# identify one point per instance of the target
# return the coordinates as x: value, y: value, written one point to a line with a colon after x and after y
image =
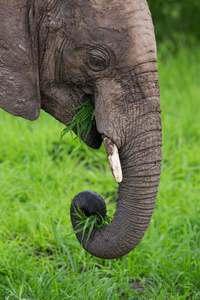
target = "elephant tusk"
x: 113, y: 159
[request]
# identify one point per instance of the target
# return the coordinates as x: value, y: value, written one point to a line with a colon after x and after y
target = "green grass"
x: 82, y: 121
x: 87, y: 224
x: 40, y: 259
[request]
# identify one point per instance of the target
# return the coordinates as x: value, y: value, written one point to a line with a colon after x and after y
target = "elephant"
x: 55, y: 54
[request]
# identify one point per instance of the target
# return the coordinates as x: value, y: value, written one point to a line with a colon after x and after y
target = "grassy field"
x: 41, y: 259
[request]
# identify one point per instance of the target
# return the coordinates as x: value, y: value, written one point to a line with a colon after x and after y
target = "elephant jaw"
x: 113, y: 159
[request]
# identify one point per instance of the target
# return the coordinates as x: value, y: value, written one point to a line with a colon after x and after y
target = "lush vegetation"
x: 40, y: 258
x: 175, y: 19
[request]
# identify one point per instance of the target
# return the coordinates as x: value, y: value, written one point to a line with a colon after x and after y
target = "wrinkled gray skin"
x: 53, y: 53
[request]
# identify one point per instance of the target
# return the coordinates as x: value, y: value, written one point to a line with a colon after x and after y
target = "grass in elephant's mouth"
x: 82, y: 121
x: 89, y: 223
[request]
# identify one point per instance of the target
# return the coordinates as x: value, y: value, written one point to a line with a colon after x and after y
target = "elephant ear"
x: 19, y: 79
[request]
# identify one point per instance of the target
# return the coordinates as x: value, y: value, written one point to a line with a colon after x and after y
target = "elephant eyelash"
x: 98, y: 60
x: 97, y: 63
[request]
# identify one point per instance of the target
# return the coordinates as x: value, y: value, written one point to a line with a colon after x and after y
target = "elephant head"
x: 63, y: 52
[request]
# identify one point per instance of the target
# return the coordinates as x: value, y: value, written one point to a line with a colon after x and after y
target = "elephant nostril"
x: 88, y: 97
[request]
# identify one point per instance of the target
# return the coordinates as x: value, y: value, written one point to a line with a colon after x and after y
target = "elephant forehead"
x: 101, y: 21
x: 125, y: 27
x: 128, y: 5
x: 120, y: 15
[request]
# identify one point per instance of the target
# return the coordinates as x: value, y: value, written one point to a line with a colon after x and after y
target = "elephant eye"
x: 97, y: 60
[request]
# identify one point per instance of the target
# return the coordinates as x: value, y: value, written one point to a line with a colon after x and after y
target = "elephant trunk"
x: 141, y: 167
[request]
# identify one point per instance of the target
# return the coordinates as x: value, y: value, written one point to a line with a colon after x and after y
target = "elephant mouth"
x: 95, y: 140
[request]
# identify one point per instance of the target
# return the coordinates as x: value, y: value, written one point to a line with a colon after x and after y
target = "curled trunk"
x: 137, y: 193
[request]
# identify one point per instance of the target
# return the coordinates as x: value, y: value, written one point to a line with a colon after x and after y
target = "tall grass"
x: 39, y: 259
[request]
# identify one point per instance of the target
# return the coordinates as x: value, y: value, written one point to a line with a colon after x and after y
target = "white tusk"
x: 113, y: 159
